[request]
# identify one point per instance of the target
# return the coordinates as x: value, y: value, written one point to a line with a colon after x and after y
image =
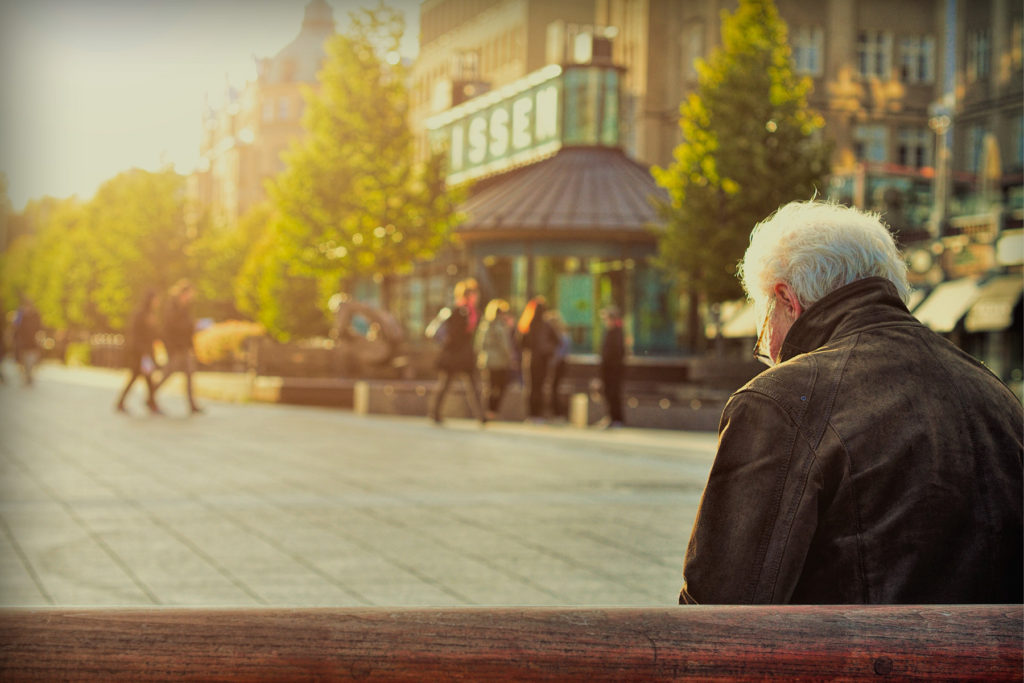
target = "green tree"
x: 216, y: 257
x: 270, y: 290
x: 86, y: 265
x: 42, y: 256
x: 750, y: 144
x: 352, y: 202
x: 5, y: 212
x: 137, y: 226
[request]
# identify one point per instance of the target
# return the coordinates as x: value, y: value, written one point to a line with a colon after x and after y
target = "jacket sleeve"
x: 758, y: 514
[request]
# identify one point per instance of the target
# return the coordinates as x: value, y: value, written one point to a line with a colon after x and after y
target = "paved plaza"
x: 271, y: 505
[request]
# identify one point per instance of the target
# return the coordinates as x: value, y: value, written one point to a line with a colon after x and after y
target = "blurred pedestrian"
x: 27, y: 326
x: 613, y: 365
x: 467, y: 295
x: 495, y: 353
x: 178, y: 330
x: 139, y: 356
x: 3, y: 344
x: 539, y: 343
x: 453, y: 329
x: 873, y: 461
x: 559, y: 362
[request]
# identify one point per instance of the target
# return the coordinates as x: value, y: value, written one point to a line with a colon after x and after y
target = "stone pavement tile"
x: 18, y: 584
x: 17, y: 589
x: 294, y: 586
x: 582, y: 590
x: 362, y: 567
x: 501, y: 593
x: 314, y: 595
x: 410, y: 593
x: 259, y: 504
x: 80, y: 572
x: 192, y: 592
x: 66, y: 560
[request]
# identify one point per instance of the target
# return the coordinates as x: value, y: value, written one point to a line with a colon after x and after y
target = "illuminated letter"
x: 546, y: 122
x: 477, y: 140
x: 499, y: 132
x: 457, y: 148
x: 521, y: 123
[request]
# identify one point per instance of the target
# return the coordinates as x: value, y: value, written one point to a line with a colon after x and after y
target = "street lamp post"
x: 940, y: 119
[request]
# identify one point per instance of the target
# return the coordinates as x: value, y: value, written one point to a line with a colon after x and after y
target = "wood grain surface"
x: 960, y: 642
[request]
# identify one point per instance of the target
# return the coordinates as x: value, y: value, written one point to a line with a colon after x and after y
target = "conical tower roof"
x: 300, y: 59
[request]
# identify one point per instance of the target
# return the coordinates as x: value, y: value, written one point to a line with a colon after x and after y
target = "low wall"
x: 682, y: 410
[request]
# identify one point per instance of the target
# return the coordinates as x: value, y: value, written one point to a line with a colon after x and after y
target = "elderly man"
x: 873, y: 462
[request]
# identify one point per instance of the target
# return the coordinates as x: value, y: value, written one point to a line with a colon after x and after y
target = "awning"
x: 916, y: 297
x: 947, y: 303
x: 593, y: 192
x: 993, y: 309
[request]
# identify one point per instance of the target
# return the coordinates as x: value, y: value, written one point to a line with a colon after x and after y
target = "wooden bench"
x: 592, y: 644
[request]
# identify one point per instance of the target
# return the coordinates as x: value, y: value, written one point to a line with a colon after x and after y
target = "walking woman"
x: 139, y: 350
x: 539, y: 344
x: 178, y: 328
x: 456, y: 358
x: 495, y: 353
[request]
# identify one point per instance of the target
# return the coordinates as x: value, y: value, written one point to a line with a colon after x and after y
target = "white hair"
x: 816, y: 247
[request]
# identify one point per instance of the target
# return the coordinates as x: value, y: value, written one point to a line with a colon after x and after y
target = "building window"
x: 914, y: 147
x: 282, y: 109
x: 979, y: 55
x: 807, y: 48
x: 268, y: 111
x: 975, y: 148
x: 917, y: 59
x: 874, y: 54
x: 871, y: 143
x: 1017, y: 43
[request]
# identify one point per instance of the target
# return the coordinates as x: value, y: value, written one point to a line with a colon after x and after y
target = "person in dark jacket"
x: 139, y: 350
x: 559, y: 364
x: 27, y: 326
x: 613, y: 365
x: 873, y: 462
x: 3, y: 343
x: 454, y: 328
x: 539, y: 343
x: 178, y: 329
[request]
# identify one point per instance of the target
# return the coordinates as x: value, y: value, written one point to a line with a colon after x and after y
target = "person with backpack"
x: 495, y: 353
x: 457, y: 358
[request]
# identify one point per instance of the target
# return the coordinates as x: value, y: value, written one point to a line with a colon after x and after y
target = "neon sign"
x: 528, y: 120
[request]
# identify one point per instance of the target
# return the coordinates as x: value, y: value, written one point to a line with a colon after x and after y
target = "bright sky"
x: 90, y: 89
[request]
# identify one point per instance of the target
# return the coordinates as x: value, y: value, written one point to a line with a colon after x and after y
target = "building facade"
x: 921, y: 98
x: 242, y: 139
x: 524, y: 97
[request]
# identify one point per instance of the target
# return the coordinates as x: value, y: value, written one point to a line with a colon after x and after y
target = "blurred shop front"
x: 555, y: 209
x: 967, y: 274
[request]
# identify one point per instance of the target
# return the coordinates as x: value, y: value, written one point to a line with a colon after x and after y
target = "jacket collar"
x: 847, y: 310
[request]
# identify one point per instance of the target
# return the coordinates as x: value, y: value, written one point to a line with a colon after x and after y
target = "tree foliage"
x: 269, y: 288
x: 750, y: 144
x: 352, y: 202
x: 85, y: 265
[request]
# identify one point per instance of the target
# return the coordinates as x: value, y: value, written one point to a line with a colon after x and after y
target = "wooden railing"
x: 949, y: 642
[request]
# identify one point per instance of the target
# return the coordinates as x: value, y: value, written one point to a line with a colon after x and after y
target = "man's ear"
x: 787, y: 298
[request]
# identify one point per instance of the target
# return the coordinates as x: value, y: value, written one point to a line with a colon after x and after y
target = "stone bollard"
x: 579, y: 407
x: 361, y: 398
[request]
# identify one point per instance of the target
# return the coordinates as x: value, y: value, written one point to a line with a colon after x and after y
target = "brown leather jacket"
x: 876, y: 464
